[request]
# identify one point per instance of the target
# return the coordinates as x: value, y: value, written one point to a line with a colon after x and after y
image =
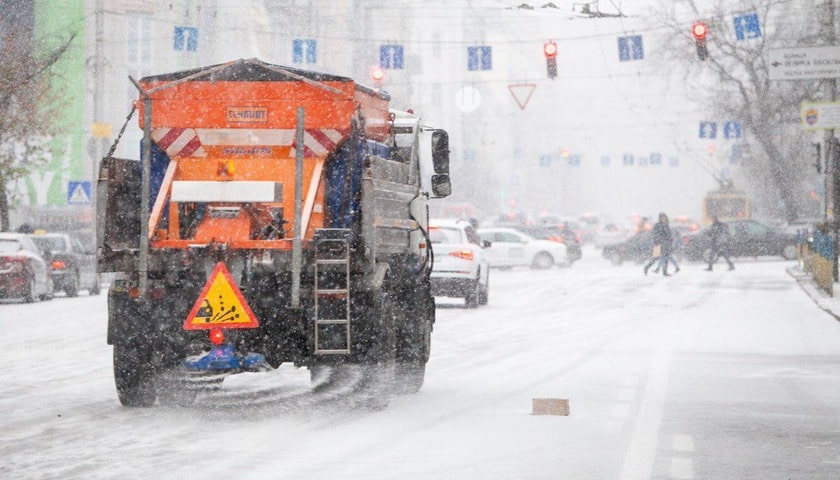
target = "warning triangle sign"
x: 220, y: 304
x: 522, y: 93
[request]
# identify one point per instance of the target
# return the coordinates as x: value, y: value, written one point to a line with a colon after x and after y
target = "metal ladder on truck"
x: 332, y: 291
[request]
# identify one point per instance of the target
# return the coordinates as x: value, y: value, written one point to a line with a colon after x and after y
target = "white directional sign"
x: 804, y: 63
x: 818, y: 116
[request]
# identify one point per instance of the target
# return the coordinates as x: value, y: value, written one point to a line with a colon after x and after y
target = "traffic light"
x: 377, y: 74
x: 550, y: 51
x: 699, y: 31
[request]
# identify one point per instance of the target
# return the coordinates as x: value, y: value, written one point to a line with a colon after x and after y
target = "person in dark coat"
x: 719, y: 233
x: 663, y: 239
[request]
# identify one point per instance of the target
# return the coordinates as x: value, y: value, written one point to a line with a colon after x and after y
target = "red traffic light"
x: 550, y: 49
x: 699, y: 30
x: 377, y: 74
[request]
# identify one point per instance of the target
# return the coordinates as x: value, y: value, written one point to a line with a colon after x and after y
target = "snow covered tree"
x: 27, y: 106
x: 733, y: 82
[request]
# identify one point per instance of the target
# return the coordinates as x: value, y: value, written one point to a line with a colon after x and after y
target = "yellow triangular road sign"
x: 220, y: 304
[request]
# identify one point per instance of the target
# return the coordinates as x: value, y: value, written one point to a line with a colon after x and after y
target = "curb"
x: 819, y: 297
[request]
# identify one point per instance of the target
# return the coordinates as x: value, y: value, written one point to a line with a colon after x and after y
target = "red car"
x: 23, y: 272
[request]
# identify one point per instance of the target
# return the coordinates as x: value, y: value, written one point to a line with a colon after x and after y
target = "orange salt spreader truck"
x: 275, y: 215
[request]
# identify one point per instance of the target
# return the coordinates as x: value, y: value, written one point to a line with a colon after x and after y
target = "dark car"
x: 555, y: 233
x: 639, y: 247
x: 748, y: 238
x: 73, y: 266
x: 23, y: 272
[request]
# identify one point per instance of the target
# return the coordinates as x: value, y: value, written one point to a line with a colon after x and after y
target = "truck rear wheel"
x: 378, y: 365
x: 414, y: 345
x: 133, y: 375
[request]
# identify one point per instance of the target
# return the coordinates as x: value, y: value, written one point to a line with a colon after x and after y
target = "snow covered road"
x: 700, y: 375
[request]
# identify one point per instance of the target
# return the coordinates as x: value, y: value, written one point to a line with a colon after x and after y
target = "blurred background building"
x: 605, y: 134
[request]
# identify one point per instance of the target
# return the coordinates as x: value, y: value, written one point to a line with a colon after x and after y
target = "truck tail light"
x: 463, y: 254
x: 58, y: 265
x: 217, y: 336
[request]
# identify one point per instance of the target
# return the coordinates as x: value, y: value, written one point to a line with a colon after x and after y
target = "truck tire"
x: 414, y: 345
x: 133, y: 374
x: 376, y: 384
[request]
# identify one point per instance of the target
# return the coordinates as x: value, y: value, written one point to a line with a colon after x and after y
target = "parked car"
x: 23, y: 272
x: 73, y: 266
x: 460, y: 267
x: 748, y: 238
x: 556, y: 233
x: 637, y: 248
x: 510, y: 248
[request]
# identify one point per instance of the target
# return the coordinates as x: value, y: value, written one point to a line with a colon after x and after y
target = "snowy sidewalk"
x: 829, y: 304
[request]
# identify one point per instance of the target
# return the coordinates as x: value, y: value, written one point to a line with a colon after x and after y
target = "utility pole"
x: 830, y: 145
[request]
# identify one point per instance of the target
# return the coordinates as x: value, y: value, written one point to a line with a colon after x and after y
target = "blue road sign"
x: 185, y: 38
x: 656, y: 158
x: 629, y: 160
x: 574, y: 160
x: 731, y: 130
x: 545, y: 160
x: 304, y: 50
x: 708, y: 130
x: 605, y: 161
x: 391, y: 57
x: 479, y: 58
x: 747, y: 26
x: 78, y: 193
x: 674, y: 161
x: 630, y: 48
x: 469, y: 155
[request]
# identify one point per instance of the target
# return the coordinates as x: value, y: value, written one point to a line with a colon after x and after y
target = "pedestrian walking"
x: 719, y: 233
x: 669, y: 257
x: 663, y: 242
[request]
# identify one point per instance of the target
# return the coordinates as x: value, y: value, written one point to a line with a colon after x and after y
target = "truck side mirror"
x: 441, y: 186
x: 440, y: 152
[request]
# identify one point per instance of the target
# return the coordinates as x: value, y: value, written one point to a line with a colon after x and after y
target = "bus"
x: 727, y: 204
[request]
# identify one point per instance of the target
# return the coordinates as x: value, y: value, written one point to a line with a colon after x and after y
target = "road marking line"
x: 683, y: 443
x: 682, y: 468
x: 641, y: 452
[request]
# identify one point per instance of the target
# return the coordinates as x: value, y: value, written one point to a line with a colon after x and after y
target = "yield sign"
x: 220, y: 304
x: 522, y: 93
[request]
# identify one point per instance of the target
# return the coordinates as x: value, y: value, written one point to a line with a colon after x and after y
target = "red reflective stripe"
x: 170, y: 137
x: 319, y: 136
x: 191, y: 146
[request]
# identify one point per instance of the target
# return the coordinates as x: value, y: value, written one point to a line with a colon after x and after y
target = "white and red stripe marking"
x: 318, y: 142
x: 179, y: 142
x: 188, y: 142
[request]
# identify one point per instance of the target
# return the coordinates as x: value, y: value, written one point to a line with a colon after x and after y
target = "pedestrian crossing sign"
x: 78, y: 193
x: 220, y: 304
